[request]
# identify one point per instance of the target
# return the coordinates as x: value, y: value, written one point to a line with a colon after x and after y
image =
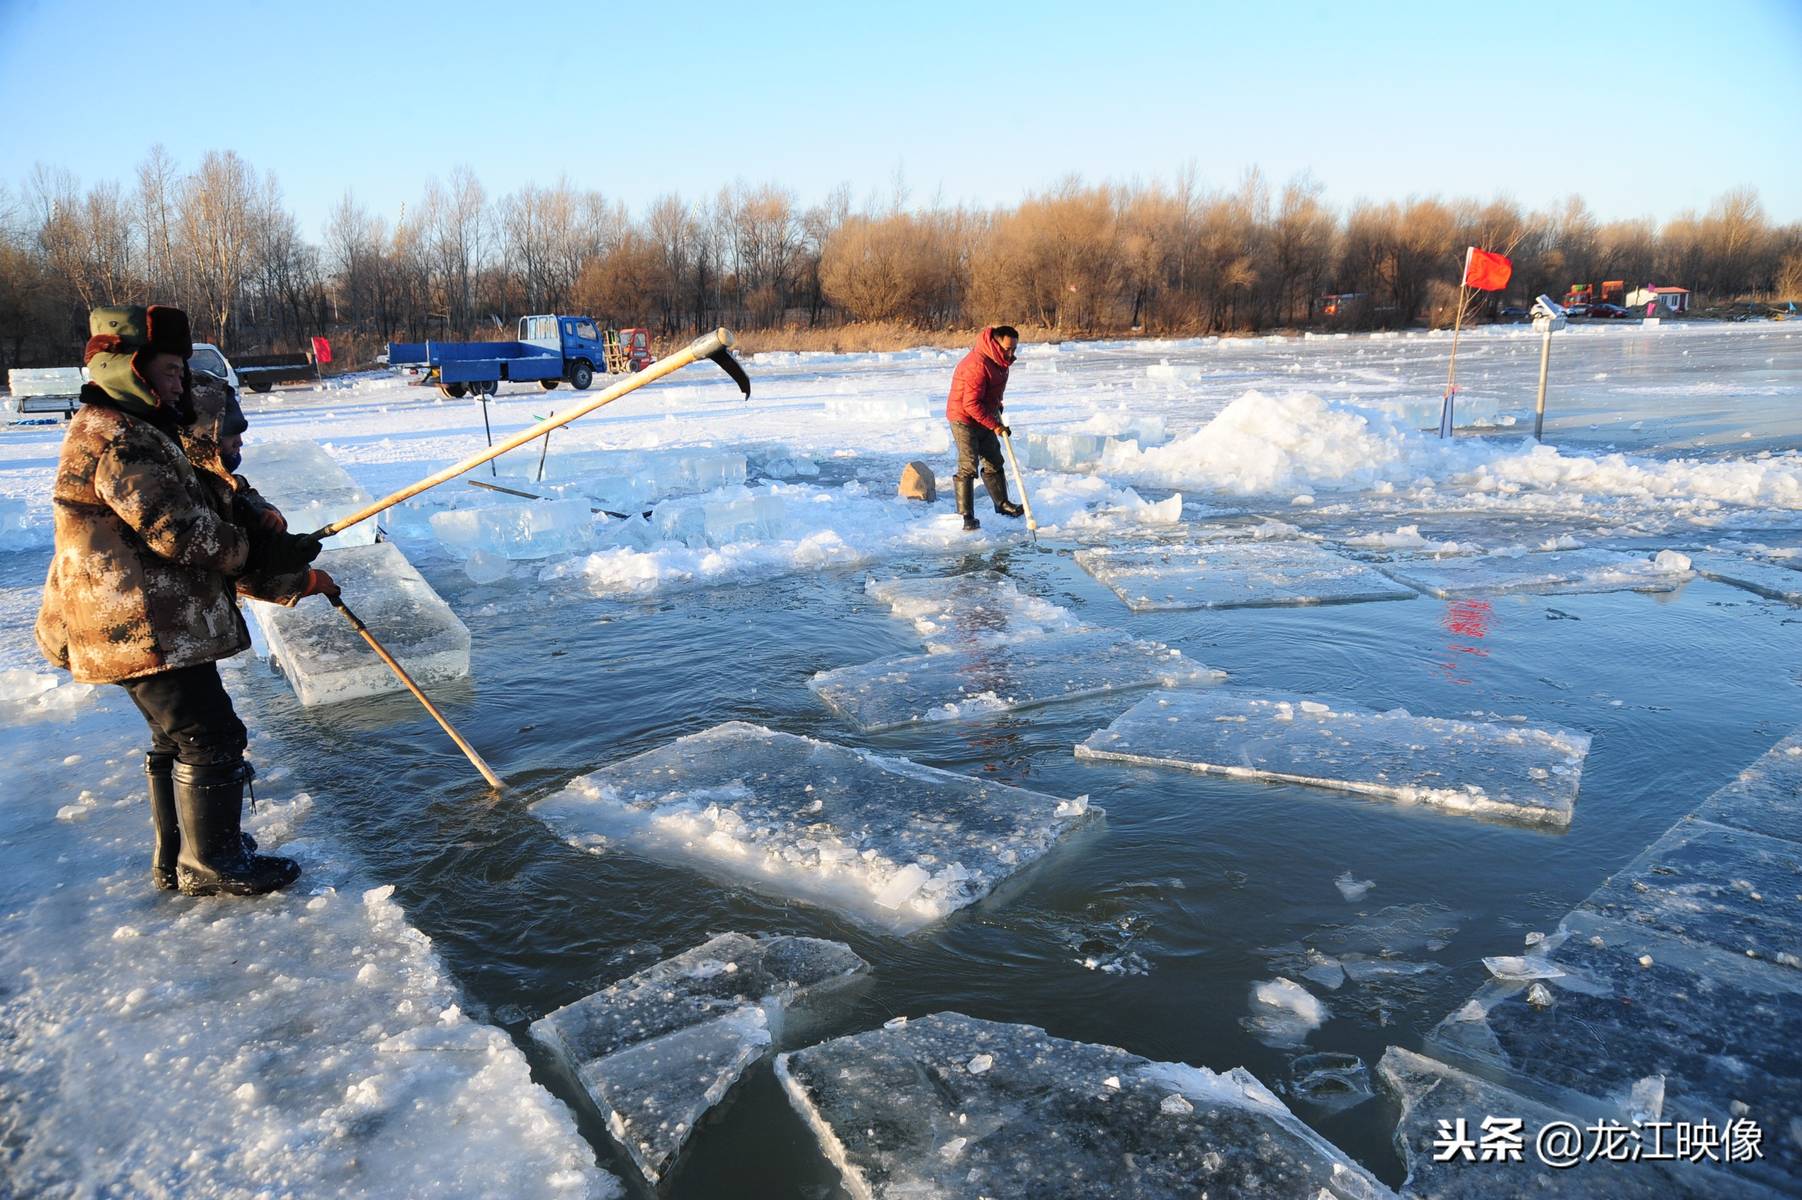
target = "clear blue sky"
x: 1643, y: 108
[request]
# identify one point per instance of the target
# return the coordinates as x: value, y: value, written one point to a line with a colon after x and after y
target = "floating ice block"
x: 1764, y: 797
x: 1235, y: 575
x: 1430, y: 1092
x: 1711, y: 885
x: 963, y: 611
x: 1717, y: 1028
x: 881, y: 840
x: 1766, y: 577
x: 310, y: 488
x: 1522, y: 773
x: 963, y: 685
x: 884, y: 408
x: 953, y: 1107
x: 326, y: 661
x: 657, y: 1050
x: 1546, y: 573
x: 529, y: 529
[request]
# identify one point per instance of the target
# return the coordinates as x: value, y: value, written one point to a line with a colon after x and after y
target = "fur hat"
x: 117, y: 338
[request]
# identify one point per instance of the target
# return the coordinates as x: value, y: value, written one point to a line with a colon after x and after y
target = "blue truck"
x: 551, y: 349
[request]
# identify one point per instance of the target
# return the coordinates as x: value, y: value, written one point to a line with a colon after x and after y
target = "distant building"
x: 1609, y: 291
x: 1659, y: 301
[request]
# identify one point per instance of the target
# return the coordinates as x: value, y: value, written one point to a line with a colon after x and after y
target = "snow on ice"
x: 1514, y: 771
x: 979, y: 608
x: 882, y: 840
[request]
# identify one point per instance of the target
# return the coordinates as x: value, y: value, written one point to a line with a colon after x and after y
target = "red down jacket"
x: 978, y: 382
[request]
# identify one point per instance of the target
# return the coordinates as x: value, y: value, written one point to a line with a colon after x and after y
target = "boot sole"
x: 228, y: 887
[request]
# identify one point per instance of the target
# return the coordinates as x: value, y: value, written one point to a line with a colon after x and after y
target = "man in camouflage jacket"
x: 142, y: 588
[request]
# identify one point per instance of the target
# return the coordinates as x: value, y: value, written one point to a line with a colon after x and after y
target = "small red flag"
x: 1486, y: 271
x: 322, y: 350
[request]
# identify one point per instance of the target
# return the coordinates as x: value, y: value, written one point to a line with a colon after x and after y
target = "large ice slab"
x: 530, y: 529
x: 1766, y: 577
x: 953, y: 1107
x: 1766, y: 797
x: 1235, y: 575
x: 982, y: 608
x: 972, y: 684
x: 326, y: 661
x: 1707, y: 1034
x: 659, y: 1049
x: 1517, y: 772
x: 1430, y: 1093
x: 310, y: 488
x: 1711, y: 885
x: 1543, y: 572
x: 882, y: 840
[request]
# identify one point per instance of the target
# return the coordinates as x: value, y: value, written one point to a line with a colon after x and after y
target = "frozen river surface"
x: 1158, y: 927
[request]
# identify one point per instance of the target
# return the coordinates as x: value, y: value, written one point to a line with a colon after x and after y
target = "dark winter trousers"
x: 978, y: 449
x: 190, y: 716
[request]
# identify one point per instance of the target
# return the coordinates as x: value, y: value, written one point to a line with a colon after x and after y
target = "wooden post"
x: 1545, y: 358
x: 1451, y: 376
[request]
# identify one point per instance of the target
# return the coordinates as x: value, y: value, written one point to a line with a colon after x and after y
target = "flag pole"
x: 1451, y: 376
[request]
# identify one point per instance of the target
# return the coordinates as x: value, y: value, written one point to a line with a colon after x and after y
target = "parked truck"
x: 551, y: 349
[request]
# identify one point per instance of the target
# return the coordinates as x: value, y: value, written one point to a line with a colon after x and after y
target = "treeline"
x: 1077, y: 258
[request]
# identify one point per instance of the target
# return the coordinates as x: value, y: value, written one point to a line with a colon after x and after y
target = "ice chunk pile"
x: 1235, y: 575
x: 1517, y: 772
x: 981, y: 608
x: 954, y: 1107
x: 884, y: 408
x: 1545, y: 573
x: 1672, y: 993
x: 324, y: 658
x: 1777, y: 579
x: 968, y: 684
x: 882, y: 840
x: 310, y: 488
x: 533, y: 529
x: 656, y: 1051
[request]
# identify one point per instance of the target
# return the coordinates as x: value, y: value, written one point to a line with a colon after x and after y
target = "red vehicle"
x: 1613, y: 312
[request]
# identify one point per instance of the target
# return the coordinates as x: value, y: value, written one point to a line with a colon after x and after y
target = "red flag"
x: 1486, y: 271
x: 322, y: 349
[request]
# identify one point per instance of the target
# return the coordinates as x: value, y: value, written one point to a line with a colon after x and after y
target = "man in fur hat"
x: 142, y: 592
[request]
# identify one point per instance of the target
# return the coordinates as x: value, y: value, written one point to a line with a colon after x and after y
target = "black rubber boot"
x: 162, y: 819
x: 965, y: 490
x: 163, y: 825
x: 996, y: 482
x: 209, y: 800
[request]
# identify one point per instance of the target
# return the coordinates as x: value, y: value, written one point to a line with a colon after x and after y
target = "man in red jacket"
x: 974, y: 411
